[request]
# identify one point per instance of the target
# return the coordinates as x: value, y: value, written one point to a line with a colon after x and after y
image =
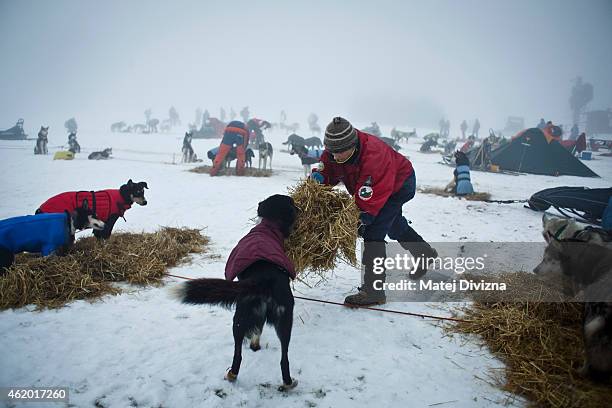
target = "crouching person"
x: 235, y: 135
x: 43, y: 233
x: 382, y: 181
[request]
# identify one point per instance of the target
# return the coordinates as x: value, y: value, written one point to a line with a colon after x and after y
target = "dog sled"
x: 213, y: 129
x: 585, y: 204
x: 14, y: 133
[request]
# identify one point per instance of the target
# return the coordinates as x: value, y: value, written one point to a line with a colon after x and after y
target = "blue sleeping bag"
x: 43, y: 233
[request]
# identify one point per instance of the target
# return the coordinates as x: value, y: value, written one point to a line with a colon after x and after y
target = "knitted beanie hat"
x: 339, y: 136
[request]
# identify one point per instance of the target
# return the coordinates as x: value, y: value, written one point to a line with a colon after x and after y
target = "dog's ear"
x: 130, y: 183
x: 143, y: 184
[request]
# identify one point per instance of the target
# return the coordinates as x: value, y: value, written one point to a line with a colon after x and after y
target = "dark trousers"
x: 390, y: 220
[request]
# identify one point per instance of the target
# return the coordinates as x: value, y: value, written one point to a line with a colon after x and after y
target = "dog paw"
x: 287, y: 387
x: 229, y: 376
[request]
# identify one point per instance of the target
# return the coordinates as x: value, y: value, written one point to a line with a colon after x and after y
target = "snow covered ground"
x: 143, y: 349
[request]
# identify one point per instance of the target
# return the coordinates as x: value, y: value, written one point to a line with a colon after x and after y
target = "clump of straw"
x: 325, y: 230
x: 248, y: 171
x: 87, y: 271
x: 541, y: 345
x: 440, y: 192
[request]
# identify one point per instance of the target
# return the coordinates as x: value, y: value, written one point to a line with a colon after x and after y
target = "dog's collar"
x: 560, y: 231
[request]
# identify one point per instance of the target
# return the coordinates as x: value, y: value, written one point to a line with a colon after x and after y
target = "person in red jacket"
x: 235, y: 135
x: 381, y: 180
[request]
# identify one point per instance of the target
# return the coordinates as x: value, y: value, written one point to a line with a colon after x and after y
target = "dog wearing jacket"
x: 461, y: 184
x: 262, y: 293
x: 106, y: 205
x: 44, y: 233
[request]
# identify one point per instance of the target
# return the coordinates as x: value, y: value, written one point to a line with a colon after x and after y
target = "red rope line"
x: 378, y: 309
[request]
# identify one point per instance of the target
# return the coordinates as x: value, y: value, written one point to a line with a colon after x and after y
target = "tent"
x: 533, y: 151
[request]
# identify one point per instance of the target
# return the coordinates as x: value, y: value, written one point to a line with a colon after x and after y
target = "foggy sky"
x: 402, y: 63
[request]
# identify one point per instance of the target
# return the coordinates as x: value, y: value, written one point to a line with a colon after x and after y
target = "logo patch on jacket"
x: 365, y: 193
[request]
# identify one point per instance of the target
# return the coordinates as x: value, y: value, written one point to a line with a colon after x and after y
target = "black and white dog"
x: 265, y: 152
x: 262, y: 293
x: 103, y: 155
x: 41, y: 142
x: 44, y: 233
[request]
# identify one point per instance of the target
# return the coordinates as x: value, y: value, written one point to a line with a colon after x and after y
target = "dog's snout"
x: 144, y: 202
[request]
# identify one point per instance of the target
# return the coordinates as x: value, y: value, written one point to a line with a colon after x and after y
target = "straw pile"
x: 326, y: 229
x: 87, y: 271
x: 248, y: 171
x: 540, y: 344
x: 440, y: 191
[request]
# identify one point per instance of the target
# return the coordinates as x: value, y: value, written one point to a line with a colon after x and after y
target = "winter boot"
x: 368, y: 295
x: 420, y: 250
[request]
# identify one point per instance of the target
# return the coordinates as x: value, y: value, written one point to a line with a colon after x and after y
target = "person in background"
x: 255, y: 127
x: 542, y: 124
x: 476, y: 128
x: 234, y: 135
x: 463, y: 127
x: 574, y: 132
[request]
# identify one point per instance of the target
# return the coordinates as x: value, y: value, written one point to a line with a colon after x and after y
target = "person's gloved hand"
x: 318, y: 177
x: 365, y: 219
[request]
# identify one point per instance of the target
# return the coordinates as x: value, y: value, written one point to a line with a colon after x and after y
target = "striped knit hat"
x: 339, y: 136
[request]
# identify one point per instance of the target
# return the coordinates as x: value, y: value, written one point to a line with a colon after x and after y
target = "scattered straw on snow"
x: 248, y: 171
x: 440, y: 192
x: 539, y: 342
x: 87, y: 271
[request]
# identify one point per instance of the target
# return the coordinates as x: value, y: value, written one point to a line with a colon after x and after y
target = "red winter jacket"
x: 264, y: 242
x: 377, y: 172
x: 104, y: 203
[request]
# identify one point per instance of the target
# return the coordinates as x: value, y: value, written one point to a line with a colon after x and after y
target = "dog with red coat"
x: 106, y: 205
x: 262, y: 293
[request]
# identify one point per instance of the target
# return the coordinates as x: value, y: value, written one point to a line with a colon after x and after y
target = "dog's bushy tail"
x: 213, y: 291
